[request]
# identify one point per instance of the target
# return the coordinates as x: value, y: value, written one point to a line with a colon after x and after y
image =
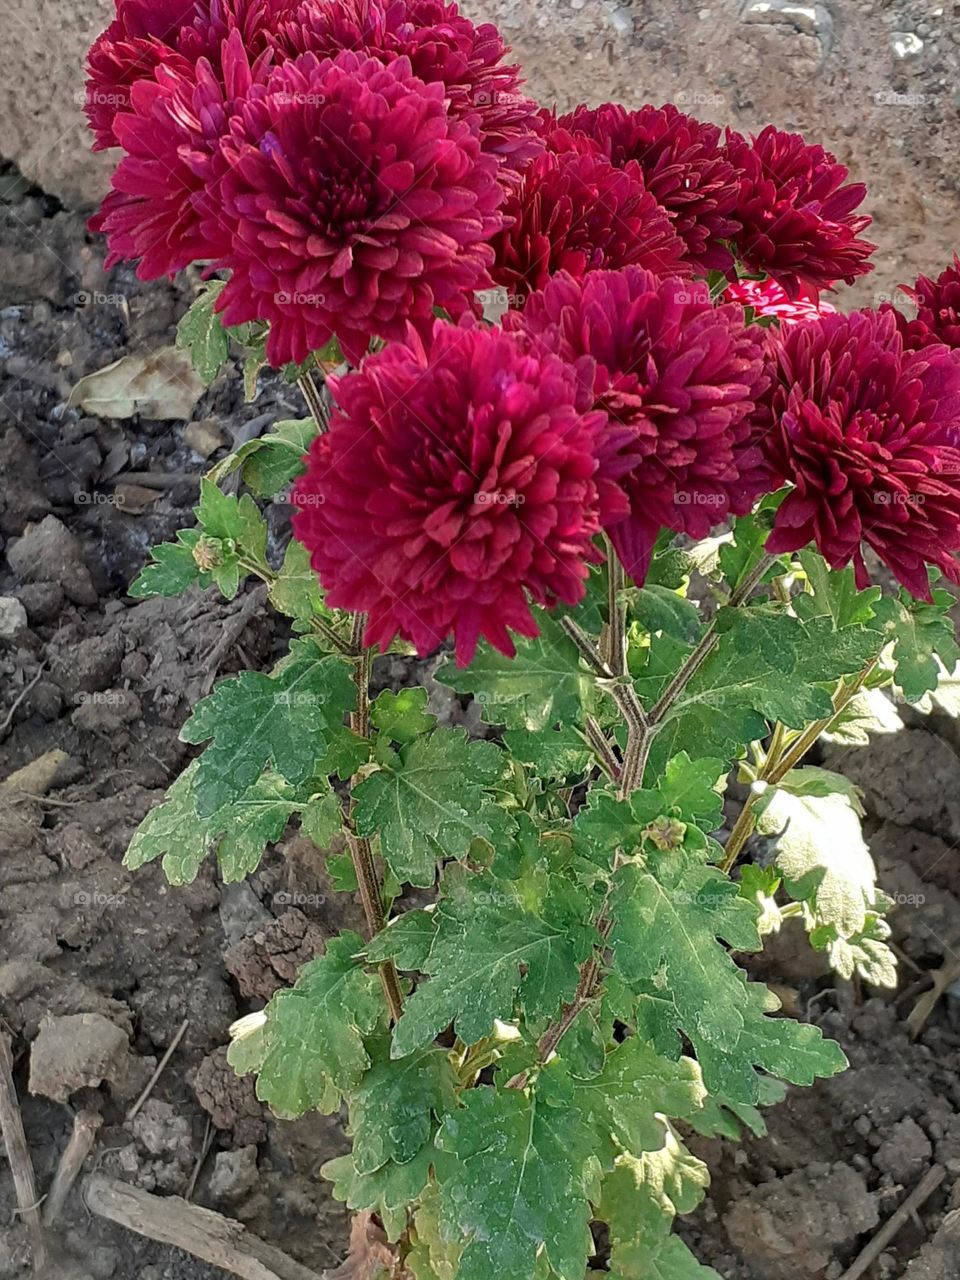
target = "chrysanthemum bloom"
x: 358, y: 206
x: 767, y: 299
x: 683, y: 375
x: 443, y: 47
x: 938, y: 309
x: 453, y: 487
x: 164, y: 207
x: 796, y: 210
x: 578, y: 213
x: 176, y: 34
x: 867, y: 434
x: 684, y: 167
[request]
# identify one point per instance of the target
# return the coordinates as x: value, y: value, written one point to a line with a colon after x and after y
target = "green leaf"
x: 202, y: 334
x: 739, y: 555
x: 408, y: 940
x: 255, y: 819
x: 402, y: 716
x: 684, y: 803
x: 296, y: 589
x: 552, y: 753
x: 271, y: 462
x: 669, y: 916
x: 430, y: 800
x: 289, y: 717
x: 811, y: 780
x: 867, y: 715
x: 660, y: 609
x: 639, y: 1200
x: 515, y: 1185
x: 389, y: 1190
x: 313, y: 1037
x: 835, y: 593
x: 172, y: 569
x: 393, y: 1112
x: 920, y: 633
x: 767, y: 666
x: 432, y: 1257
x: 236, y: 520
x: 823, y: 857
x: 632, y: 1093
x: 489, y: 953
x: 239, y: 831
x: 543, y: 684
x: 322, y: 820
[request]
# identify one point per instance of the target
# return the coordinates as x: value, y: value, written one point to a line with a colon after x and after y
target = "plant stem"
x: 615, y: 648
x: 781, y: 758
x: 641, y: 730
x: 709, y: 642
x: 311, y: 393
x: 361, y: 851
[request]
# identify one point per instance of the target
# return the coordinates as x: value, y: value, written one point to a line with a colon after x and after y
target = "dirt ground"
x: 99, y: 968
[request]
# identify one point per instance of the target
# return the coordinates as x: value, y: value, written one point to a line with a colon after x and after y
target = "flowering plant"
x: 639, y: 513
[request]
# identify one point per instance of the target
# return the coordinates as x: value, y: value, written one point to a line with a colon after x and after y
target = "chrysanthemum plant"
x: 638, y: 505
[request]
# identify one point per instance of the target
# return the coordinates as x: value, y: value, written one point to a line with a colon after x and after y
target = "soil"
x: 99, y: 968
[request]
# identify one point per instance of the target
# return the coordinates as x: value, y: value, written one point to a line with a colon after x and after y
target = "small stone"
x: 78, y: 1051
x: 905, y: 44
x: 13, y: 617
x: 42, y: 600
x: 234, y: 1175
x: 204, y: 437
x: 905, y: 1153
x: 107, y: 711
x: 48, y: 552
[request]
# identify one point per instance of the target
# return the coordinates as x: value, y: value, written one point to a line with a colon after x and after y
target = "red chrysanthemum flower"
x: 453, y: 486
x: 938, y: 309
x: 176, y: 34
x: 578, y: 213
x: 683, y: 375
x: 165, y: 206
x: 443, y: 47
x: 358, y: 206
x: 684, y: 167
x: 796, y: 210
x: 766, y: 298
x: 867, y: 433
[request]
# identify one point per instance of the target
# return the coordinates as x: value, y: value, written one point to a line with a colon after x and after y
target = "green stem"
x: 641, y: 729
x: 361, y: 850
x: 615, y: 647
x: 784, y: 755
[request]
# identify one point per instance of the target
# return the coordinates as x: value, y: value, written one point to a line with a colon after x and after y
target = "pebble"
x: 905, y: 44
x: 13, y: 617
